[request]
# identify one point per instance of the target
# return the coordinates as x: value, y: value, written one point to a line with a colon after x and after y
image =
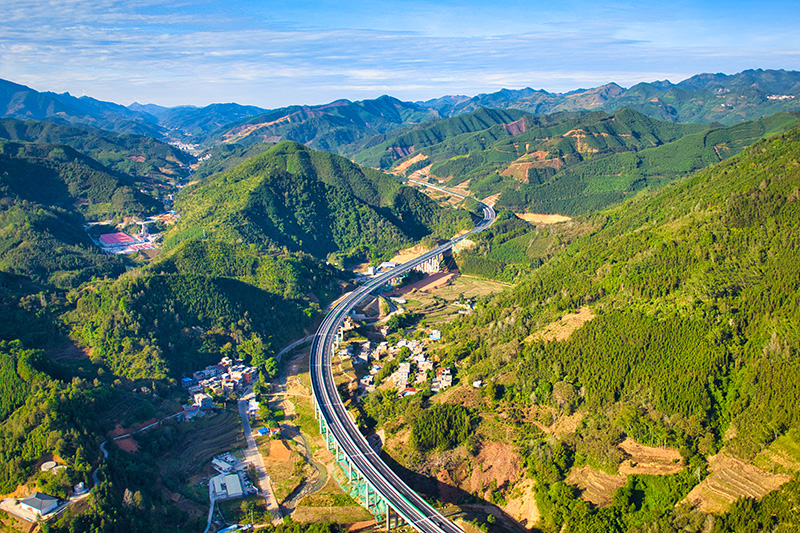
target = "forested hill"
x: 335, y: 127
x: 304, y: 200
x: 565, y: 163
x: 48, y: 193
x: 693, y: 344
x: 595, y: 182
x: 137, y: 155
x: 519, y: 145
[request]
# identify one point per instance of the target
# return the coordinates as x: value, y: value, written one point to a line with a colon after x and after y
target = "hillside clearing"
x: 596, y: 486
x: 649, y: 460
x: 731, y: 479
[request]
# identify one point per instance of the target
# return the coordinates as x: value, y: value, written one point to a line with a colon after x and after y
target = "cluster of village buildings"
x: 410, y: 374
x: 223, y: 378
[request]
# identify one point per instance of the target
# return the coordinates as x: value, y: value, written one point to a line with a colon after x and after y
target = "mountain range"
x: 343, y: 126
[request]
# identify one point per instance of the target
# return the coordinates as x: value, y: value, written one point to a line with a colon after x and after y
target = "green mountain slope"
x: 693, y: 344
x: 316, y: 202
x: 597, y: 182
x: 492, y: 125
x: 335, y: 127
x: 491, y: 143
x: 48, y: 193
x: 133, y: 154
x: 205, y: 299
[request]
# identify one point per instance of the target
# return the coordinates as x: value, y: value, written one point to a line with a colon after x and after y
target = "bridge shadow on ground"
x: 472, y: 506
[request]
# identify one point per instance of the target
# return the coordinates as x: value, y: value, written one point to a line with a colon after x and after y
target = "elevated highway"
x: 380, y: 489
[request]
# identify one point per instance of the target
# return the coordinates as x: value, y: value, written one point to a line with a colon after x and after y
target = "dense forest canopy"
x: 311, y: 201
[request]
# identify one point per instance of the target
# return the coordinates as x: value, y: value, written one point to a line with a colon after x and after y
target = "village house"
x: 39, y: 503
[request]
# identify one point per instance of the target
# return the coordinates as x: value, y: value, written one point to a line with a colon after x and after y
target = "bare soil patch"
x: 521, y: 505
x: 731, y: 479
x: 427, y: 284
x: 128, y: 444
x: 649, y: 460
x: 403, y: 256
x: 491, y: 200
x: 405, y: 164
x: 561, y: 425
x: 497, y: 464
x: 542, y: 218
x: 518, y: 171
x: 596, y: 486
x: 562, y: 328
x: 279, y: 451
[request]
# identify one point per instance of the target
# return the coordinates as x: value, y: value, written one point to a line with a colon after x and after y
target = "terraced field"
x: 197, y: 442
x: 596, y: 486
x: 731, y: 479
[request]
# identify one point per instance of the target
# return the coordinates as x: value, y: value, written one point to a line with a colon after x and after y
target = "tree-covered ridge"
x: 17, y: 374
x: 695, y: 294
x: 136, y: 155
x: 48, y: 192
x: 340, y: 126
x: 206, y: 297
x: 291, y: 276
x: 426, y: 137
x: 52, y: 412
x: 310, y: 201
x: 597, y: 182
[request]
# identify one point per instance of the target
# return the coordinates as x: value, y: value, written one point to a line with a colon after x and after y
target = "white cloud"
x: 199, y: 52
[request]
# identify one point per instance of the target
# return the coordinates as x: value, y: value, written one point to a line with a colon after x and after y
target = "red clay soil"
x: 128, y: 444
x: 119, y: 430
x: 428, y: 283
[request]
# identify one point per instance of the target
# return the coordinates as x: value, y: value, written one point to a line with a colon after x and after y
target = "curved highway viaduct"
x: 379, y: 488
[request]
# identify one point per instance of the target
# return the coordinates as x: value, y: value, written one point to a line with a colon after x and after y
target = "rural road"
x: 253, y: 456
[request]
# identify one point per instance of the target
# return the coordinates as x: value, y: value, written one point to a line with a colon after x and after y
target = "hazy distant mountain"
x: 347, y: 127
x: 527, y: 99
x: 702, y: 98
x: 188, y: 121
x: 335, y: 127
x: 21, y: 102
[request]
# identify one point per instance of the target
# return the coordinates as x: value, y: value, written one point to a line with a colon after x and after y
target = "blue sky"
x: 272, y: 54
